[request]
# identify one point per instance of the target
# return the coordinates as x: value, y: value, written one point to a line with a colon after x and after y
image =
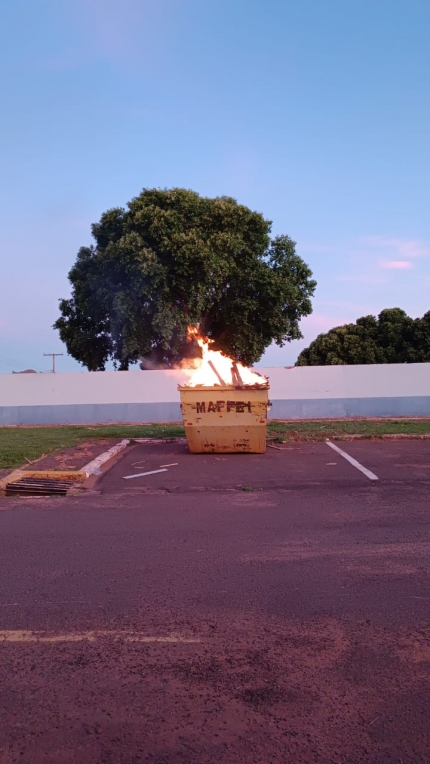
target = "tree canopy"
x: 393, y: 337
x: 173, y: 258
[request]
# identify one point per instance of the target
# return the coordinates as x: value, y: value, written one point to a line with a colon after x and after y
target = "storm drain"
x: 33, y: 486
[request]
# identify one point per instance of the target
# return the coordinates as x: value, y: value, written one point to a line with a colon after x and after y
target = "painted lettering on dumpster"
x: 216, y: 407
x: 238, y: 406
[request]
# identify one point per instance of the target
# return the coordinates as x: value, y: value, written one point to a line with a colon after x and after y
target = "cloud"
x: 120, y: 32
x: 400, y: 248
x: 319, y: 322
x: 311, y: 327
x: 371, y: 254
x: 396, y: 264
x: 123, y: 29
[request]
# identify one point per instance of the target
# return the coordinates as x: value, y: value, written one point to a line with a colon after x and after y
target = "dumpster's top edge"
x: 220, y: 388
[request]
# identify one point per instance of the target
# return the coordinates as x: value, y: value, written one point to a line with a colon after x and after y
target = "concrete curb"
x: 388, y: 436
x: 361, y: 436
x: 11, y: 478
x: 93, y: 467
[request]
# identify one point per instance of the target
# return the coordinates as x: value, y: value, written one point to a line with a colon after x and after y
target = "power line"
x: 53, y: 356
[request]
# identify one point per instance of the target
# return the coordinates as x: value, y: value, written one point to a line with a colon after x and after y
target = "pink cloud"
x: 396, y: 264
x: 402, y: 248
x: 311, y: 327
x: 124, y: 29
x: 318, y: 322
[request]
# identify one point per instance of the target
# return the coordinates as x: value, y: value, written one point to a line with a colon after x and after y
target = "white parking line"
x: 352, y: 461
x: 142, y: 474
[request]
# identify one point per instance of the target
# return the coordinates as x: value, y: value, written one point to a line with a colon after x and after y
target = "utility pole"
x: 53, y: 356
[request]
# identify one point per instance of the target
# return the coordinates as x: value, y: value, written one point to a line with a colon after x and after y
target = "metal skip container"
x: 225, y: 420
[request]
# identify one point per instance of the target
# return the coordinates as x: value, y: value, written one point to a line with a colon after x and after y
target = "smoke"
x: 149, y: 363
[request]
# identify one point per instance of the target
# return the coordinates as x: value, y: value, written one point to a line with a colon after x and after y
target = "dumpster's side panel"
x: 225, y: 419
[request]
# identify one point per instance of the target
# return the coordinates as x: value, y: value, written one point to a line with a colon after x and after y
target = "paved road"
x: 246, y: 608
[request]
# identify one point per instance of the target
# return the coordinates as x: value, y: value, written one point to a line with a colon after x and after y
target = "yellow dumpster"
x: 225, y: 420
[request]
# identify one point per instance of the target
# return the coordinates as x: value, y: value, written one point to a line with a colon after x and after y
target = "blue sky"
x: 314, y: 112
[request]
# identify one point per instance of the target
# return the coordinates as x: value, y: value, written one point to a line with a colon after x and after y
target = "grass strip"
x: 17, y: 444
x: 322, y: 429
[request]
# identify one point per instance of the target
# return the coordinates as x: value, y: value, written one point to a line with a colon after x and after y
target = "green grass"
x: 20, y: 443
x: 370, y: 428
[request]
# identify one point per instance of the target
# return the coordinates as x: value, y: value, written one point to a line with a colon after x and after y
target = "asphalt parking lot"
x: 245, y: 608
x: 282, y: 467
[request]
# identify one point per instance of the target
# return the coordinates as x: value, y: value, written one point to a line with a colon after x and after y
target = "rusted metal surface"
x: 231, y: 419
x: 31, y: 486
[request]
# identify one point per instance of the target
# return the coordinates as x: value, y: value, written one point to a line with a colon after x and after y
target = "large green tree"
x: 393, y: 337
x: 174, y: 258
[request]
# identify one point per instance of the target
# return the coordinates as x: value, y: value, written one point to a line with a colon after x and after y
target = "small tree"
x: 393, y: 337
x: 174, y: 258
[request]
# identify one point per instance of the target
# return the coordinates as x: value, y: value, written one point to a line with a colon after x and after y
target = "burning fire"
x: 217, y: 369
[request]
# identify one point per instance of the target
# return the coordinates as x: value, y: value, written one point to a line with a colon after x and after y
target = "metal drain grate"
x: 33, y: 486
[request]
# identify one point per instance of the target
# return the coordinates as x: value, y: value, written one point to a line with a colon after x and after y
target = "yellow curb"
x: 11, y: 478
x: 60, y: 475
x: 16, y: 475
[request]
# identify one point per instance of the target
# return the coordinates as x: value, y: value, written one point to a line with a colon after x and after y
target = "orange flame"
x: 214, y: 367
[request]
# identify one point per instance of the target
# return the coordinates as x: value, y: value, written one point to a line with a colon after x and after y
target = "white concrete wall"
x: 300, y: 392
x: 74, y: 388
x: 371, y: 381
